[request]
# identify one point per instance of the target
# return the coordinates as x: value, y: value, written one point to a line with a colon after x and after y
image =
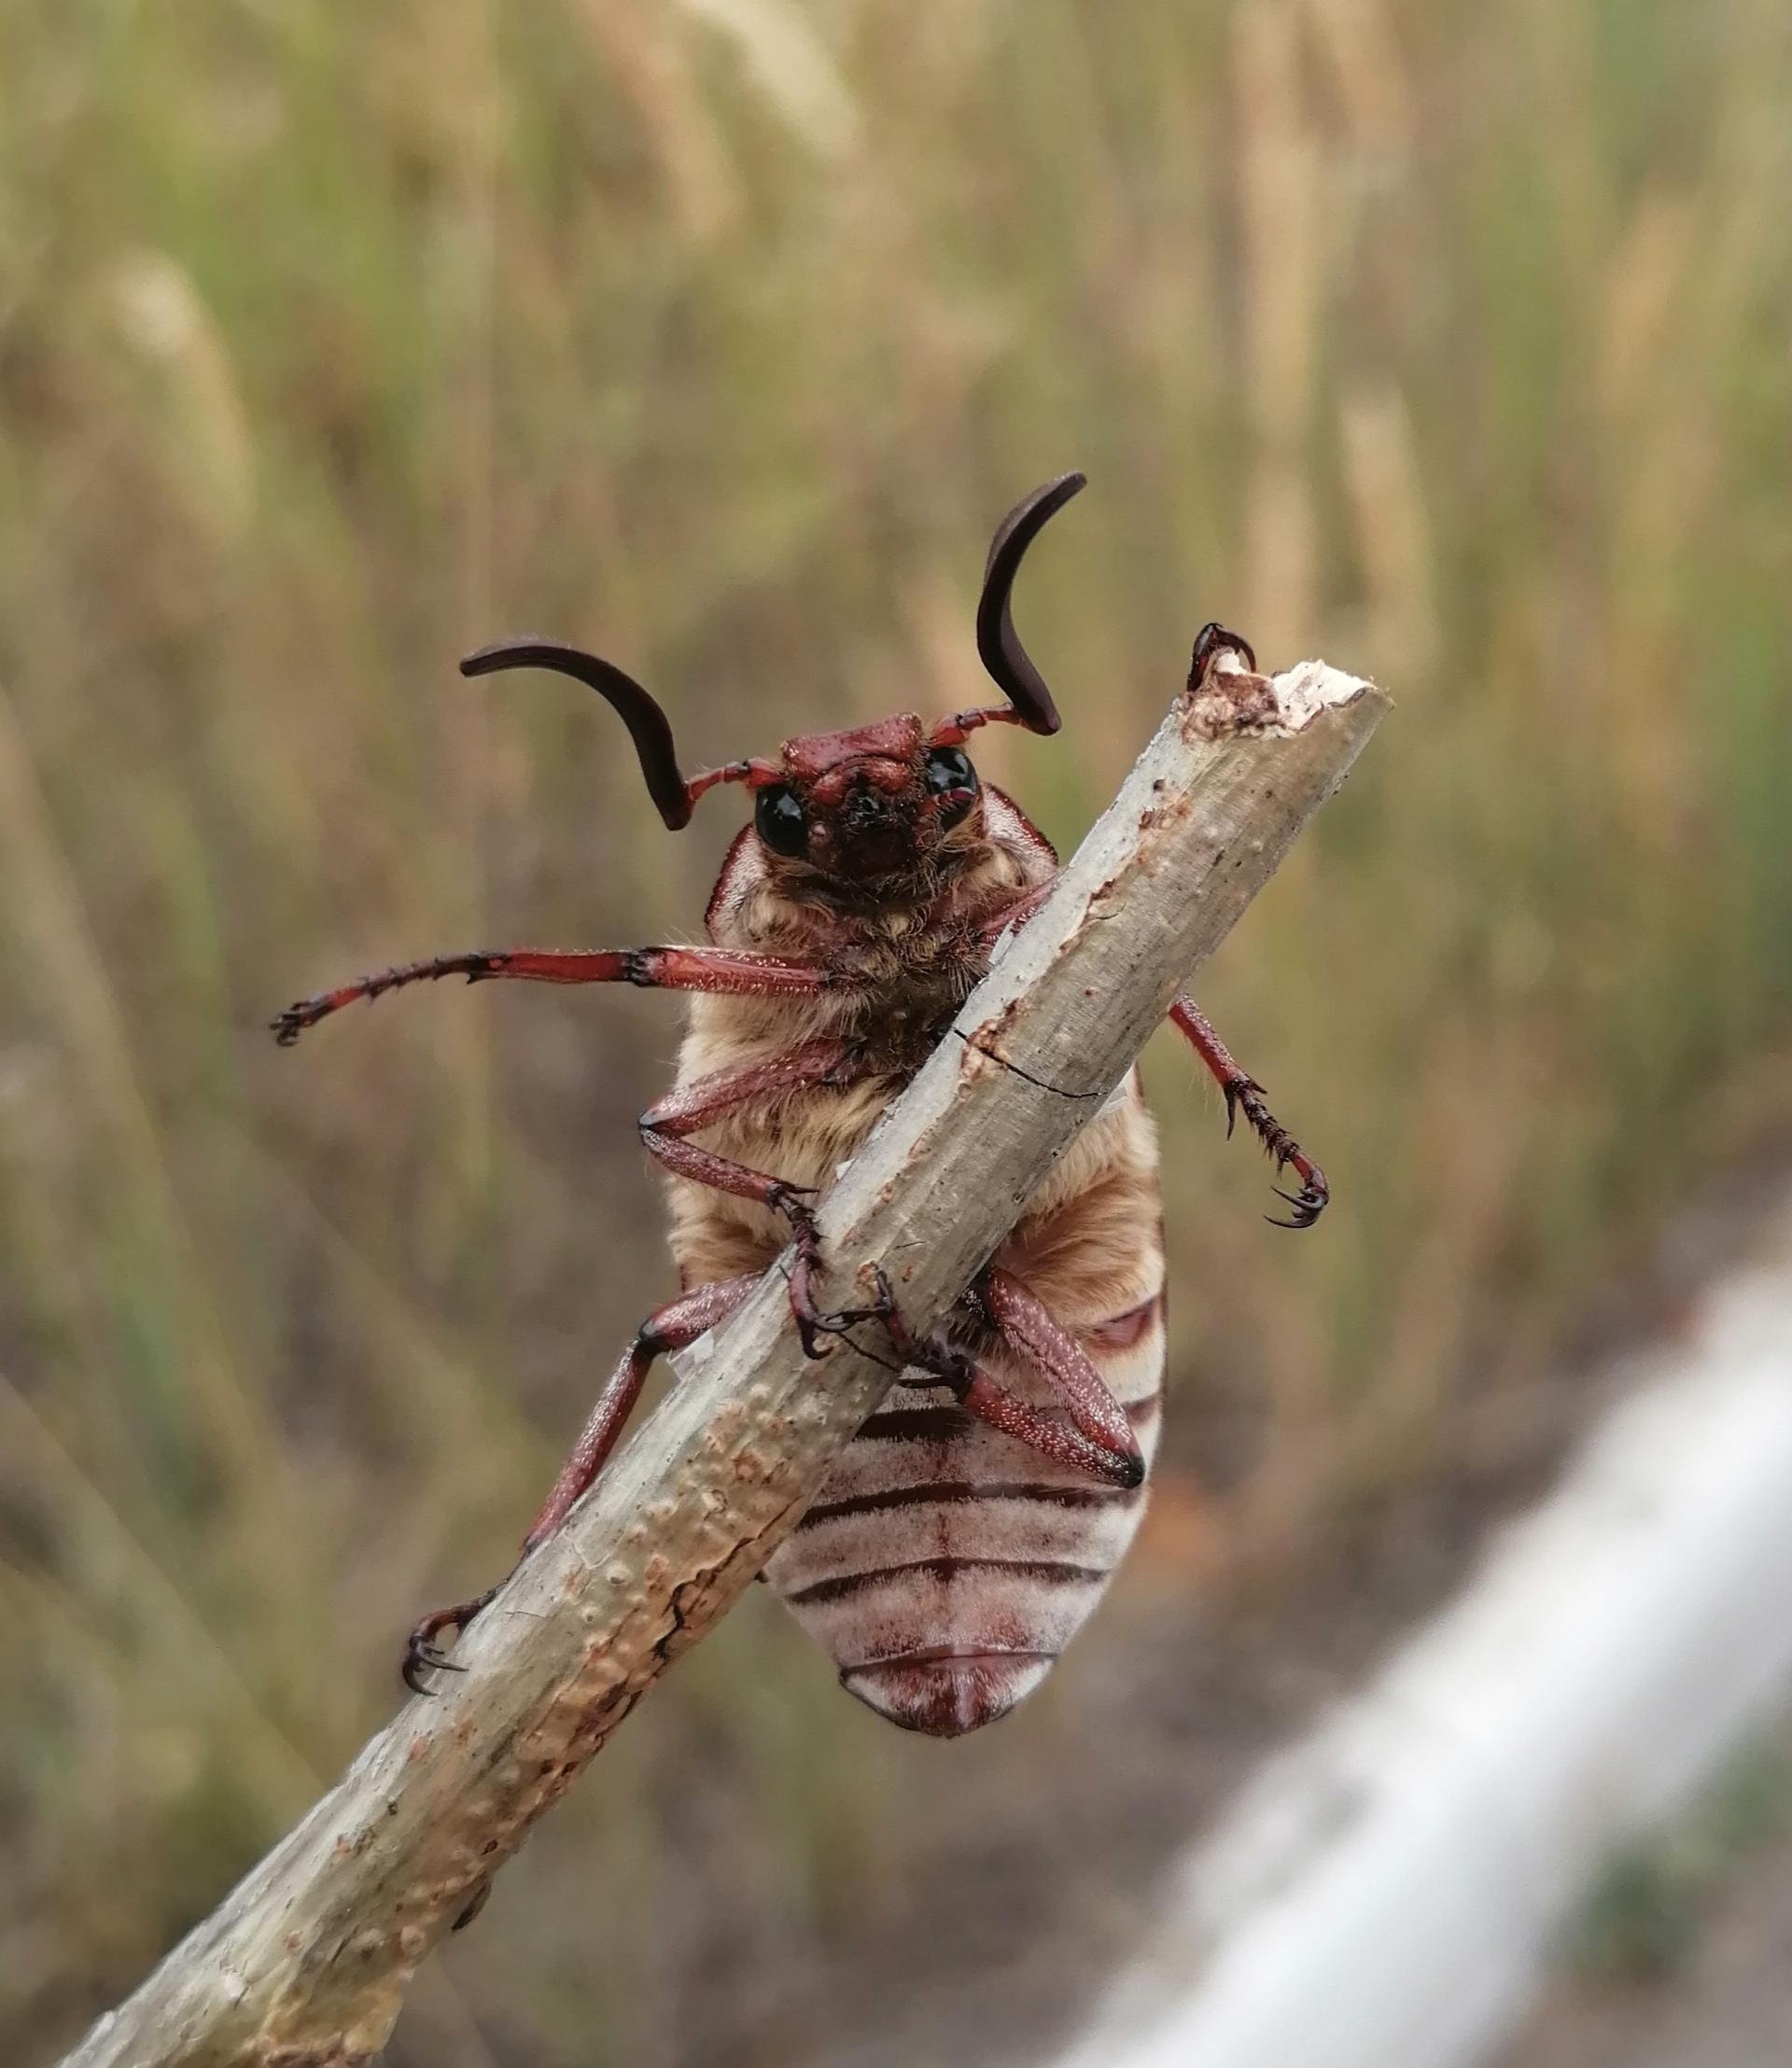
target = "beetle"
x: 971, y: 1525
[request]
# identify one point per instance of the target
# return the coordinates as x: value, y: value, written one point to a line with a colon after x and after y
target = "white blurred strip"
x: 1388, y: 1893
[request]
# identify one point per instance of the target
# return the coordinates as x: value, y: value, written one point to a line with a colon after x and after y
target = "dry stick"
x: 305, y: 1963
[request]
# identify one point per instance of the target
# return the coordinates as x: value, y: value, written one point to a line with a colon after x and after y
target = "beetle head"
x: 875, y: 801
x: 872, y: 802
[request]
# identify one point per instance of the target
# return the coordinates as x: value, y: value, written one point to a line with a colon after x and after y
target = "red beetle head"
x: 875, y: 801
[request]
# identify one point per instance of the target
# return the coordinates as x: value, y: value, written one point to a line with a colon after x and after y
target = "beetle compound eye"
x: 949, y: 768
x: 780, y: 820
x: 951, y: 776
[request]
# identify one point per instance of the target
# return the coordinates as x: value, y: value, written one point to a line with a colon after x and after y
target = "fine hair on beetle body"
x: 969, y: 1527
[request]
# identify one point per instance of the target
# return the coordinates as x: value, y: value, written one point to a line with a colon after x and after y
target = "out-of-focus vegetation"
x: 1645, y: 1920
x: 1453, y: 340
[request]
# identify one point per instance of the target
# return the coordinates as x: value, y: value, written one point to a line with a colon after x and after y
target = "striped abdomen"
x: 945, y: 1565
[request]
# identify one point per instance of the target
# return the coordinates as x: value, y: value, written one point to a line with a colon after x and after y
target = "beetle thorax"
x: 902, y: 962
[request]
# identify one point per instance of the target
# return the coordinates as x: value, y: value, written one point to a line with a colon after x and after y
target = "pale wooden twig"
x: 305, y: 1963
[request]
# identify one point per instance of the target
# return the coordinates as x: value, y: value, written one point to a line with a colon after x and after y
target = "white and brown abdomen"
x: 946, y: 1566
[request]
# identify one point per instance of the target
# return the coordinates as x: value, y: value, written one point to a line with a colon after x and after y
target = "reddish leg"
x: 1017, y: 914
x: 1024, y: 1325
x: 1244, y: 1095
x: 655, y: 969
x: 1100, y: 1440
x: 668, y: 1328
x: 697, y: 1105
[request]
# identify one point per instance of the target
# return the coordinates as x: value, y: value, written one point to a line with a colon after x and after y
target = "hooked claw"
x: 1244, y: 1095
x: 1212, y: 640
x: 422, y: 1655
x: 1309, y: 1203
x: 425, y: 1659
x: 812, y: 1322
x: 287, y: 1026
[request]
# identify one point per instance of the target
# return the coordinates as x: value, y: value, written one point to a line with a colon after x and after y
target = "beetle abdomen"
x: 946, y: 1566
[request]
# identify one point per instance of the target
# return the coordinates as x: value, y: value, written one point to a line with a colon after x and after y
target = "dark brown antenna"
x: 998, y: 642
x: 648, y: 725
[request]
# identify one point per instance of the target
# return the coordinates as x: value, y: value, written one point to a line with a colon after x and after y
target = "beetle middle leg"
x: 666, y: 1126
x: 671, y: 1327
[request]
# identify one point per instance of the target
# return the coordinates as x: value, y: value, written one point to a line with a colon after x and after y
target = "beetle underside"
x: 970, y: 1527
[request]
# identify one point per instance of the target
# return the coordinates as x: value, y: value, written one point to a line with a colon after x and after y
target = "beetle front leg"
x: 653, y: 968
x: 1244, y: 1095
x: 671, y: 1327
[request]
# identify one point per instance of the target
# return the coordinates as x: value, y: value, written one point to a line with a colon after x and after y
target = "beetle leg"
x: 1099, y: 1440
x: 655, y: 969
x: 1017, y: 914
x: 1211, y: 640
x: 812, y: 1322
x: 1024, y: 1323
x: 1244, y: 1095
x: 693, y: 1106
x: 668, y: 1328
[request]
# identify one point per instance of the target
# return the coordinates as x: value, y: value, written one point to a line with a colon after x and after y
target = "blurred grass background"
x: 1452, y: 340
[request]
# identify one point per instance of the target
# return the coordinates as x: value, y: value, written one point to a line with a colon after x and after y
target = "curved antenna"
x: 648, y: 725
x: 998, y: 642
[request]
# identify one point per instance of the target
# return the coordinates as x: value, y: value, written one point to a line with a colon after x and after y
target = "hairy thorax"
x: 899, y: 969
x: 900, y: 973
x: 901, y: 964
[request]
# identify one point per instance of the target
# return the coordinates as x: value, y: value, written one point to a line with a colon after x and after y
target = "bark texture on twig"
x: 305, y: 1963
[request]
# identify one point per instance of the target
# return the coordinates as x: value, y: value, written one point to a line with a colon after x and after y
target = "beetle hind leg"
x: 671, y: 1327
x: 1096, y: 1440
